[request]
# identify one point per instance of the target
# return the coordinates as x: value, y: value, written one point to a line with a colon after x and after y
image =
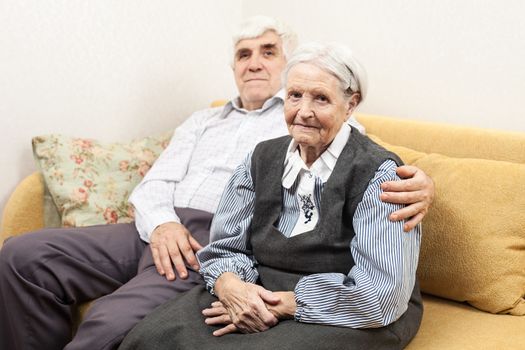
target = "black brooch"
x: 307, y: 207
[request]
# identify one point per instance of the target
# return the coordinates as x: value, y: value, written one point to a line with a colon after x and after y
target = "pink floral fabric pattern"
x: 90, y: 182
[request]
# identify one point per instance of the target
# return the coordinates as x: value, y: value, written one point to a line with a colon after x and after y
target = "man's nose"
x: 255, y: 63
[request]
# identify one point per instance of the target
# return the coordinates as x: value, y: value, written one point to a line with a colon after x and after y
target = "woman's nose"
x: 305, y: 109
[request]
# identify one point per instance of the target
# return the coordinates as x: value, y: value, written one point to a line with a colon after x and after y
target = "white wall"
x: 114, y: 70
x: 106, y: 69
x: 453, y: 61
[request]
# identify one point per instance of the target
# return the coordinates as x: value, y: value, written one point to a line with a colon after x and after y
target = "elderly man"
x: 131, y: 268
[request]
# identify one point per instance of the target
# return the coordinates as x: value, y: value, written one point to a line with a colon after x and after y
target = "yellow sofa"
x: 447, y: 324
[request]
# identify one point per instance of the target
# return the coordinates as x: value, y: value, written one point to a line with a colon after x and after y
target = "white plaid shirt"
x: 193, y: 170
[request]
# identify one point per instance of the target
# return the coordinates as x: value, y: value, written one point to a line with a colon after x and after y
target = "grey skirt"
x: 179, y: 324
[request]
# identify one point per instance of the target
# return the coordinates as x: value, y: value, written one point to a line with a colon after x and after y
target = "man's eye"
x: 268, y: 53
x: 243, y: 55
x: 294, y: 95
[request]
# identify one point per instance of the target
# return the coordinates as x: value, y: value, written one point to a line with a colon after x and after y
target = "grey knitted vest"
x: 283, y: 261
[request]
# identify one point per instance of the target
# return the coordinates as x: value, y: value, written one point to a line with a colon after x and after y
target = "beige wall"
x: 453, y: 61
x: 106, y: 69
x: 114, y: 70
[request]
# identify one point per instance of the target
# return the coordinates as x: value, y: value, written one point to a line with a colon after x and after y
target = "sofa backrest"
x: 446, y: 139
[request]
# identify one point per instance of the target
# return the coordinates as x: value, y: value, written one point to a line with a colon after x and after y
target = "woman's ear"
x: 353, y: 101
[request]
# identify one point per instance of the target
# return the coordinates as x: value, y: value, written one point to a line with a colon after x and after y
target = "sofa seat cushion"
x: 455, y: 326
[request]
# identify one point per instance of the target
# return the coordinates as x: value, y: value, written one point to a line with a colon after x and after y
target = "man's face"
x: 257, y: 67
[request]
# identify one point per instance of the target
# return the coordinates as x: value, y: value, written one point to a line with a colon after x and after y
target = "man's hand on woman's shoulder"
x: 416, y: 190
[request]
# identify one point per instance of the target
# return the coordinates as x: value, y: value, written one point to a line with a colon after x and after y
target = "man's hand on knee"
x: 172, y: 245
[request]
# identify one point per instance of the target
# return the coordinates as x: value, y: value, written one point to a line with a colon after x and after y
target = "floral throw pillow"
x: 90, y: 182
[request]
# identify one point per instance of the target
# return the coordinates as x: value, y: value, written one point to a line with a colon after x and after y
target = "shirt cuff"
x: 146, y: 225
x: 299, y: 292
x: 212, y: 273
x: 307, y: 292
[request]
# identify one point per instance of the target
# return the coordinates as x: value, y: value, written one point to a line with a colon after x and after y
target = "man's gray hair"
x: 336, y: 59
x: 256, y: 26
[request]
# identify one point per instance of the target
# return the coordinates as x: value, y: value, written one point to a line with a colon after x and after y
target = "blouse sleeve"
x: 378, y: 287
x: 229, y: 250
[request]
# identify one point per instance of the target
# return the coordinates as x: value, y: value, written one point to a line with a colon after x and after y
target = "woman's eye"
x: 321, y: 98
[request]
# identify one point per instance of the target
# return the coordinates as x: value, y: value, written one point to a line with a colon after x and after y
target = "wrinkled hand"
x: 172, y: 244
x: 245, y: 304
x: 285, y: 308
x: 416, y: 190
x: 217, y: 314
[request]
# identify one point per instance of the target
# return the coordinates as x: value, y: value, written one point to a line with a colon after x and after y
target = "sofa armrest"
x: 24, y: 210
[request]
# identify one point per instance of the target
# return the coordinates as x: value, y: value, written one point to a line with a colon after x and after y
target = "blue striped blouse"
x: 376, y: 290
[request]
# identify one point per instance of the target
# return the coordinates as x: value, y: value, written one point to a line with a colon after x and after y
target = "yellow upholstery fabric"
x: 450, y: 140
x: 473, y: 246
x: 218, y: 103
x: 24, y: 209
x: 448, y: 325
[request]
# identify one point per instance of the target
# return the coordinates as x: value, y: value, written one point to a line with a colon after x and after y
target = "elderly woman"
x: 303, y: 254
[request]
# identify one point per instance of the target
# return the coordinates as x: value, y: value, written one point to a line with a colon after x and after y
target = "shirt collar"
x: 236, y: 104
x: 322, y: 167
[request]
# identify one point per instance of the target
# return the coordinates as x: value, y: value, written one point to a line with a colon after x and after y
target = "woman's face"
x: 314, y: 107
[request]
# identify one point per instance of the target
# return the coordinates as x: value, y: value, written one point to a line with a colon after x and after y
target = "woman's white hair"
x: 256, y: 26
x: 335, y: 59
